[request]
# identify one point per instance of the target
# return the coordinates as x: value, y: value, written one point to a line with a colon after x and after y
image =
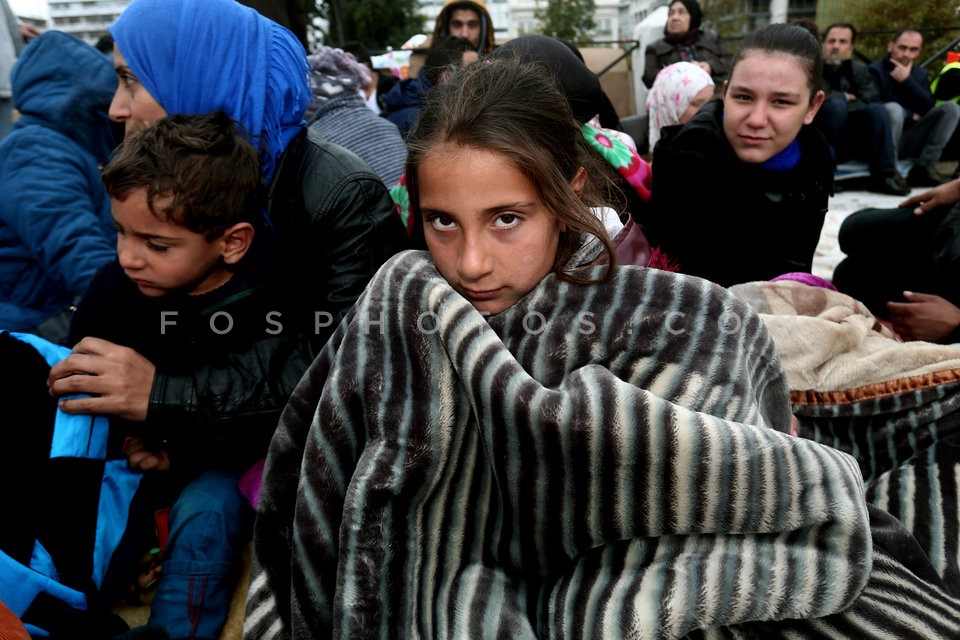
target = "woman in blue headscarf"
x: 330, y: 221
x: 195, y: 56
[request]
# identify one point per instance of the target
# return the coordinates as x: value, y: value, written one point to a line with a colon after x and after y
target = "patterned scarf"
x: 623, y: 158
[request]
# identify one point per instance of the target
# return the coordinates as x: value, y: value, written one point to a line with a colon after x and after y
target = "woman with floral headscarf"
x: 679, y: 91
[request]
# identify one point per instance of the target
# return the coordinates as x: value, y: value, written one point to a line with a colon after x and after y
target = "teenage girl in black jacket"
x: 741, y: 190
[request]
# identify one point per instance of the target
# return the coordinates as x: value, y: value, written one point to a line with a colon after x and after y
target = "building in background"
x: 86, y: 19
x: 615, y: 19
x: 512, y: 18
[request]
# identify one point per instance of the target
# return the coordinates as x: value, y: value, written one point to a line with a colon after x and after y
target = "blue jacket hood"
x: 61, y: 82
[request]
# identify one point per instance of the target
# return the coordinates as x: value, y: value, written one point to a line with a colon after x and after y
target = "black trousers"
x: 892, y: 250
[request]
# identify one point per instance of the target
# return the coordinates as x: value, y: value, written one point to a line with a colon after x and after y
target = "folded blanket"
x: 831, y: 344
x: 596, y: 461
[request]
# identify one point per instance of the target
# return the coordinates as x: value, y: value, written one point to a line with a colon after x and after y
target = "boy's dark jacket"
x: 181, y: 333
x: 730, y: 221
x: 336, y: 224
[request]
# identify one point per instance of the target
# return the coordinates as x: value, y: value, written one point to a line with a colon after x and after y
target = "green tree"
x: 729, y: 18
x: 377, y: 23
x: 567, y: 19
x: 876, y: 22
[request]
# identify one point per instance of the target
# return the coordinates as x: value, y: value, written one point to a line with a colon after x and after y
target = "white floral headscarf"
x: 674, y: 88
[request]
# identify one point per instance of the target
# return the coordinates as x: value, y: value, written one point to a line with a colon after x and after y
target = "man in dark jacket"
x: 921, y: 128
x: 852, y: 117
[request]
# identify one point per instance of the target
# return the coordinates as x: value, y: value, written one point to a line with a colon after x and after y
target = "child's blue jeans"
x: 210, y: 525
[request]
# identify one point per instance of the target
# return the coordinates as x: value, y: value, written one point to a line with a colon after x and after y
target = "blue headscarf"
x: 197, y: 56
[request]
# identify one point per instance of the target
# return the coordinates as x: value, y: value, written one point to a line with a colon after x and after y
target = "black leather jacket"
x: 335, y: 224
x: 850, y: 76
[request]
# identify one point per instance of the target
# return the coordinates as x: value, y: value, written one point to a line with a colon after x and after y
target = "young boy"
x: 190, y: 285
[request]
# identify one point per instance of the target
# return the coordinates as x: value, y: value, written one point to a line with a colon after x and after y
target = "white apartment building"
x: 615, y: 19
x: 86, y: 19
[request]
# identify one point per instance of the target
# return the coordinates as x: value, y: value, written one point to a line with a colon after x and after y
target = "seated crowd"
x: 258, y: 316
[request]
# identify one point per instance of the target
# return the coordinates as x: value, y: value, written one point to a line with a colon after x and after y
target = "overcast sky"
x: 31, y: 8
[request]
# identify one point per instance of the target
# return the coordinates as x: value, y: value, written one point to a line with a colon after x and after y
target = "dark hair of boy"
x: 199, y: 171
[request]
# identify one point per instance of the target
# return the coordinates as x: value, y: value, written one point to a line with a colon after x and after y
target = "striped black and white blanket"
x: 597, y: 461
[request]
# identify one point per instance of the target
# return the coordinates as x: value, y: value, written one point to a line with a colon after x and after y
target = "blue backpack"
x: 67, y: 506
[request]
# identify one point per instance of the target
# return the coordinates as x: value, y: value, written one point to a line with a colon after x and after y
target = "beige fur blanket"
x: 830, y: 342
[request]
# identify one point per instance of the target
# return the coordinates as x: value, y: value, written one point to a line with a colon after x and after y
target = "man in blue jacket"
x: 920, y: 127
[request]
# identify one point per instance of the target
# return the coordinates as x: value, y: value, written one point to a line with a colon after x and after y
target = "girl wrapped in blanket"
x: 510, y: 437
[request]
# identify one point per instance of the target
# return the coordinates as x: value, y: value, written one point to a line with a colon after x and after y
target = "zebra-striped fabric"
x: 894, y: 406
x: 597, y: 461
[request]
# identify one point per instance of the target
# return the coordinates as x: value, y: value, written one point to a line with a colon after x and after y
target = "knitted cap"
x: 333, y: 72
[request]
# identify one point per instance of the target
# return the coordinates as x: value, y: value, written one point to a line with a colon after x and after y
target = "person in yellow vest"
x: 946, y: 85
x: 466, y: 19
x: 946, y: 88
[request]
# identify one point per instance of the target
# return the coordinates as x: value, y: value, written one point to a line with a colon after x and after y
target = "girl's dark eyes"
x: 441, y: 222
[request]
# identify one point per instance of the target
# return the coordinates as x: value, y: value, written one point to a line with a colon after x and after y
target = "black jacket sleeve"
x: 651, y: 65
x: 865, y: 88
